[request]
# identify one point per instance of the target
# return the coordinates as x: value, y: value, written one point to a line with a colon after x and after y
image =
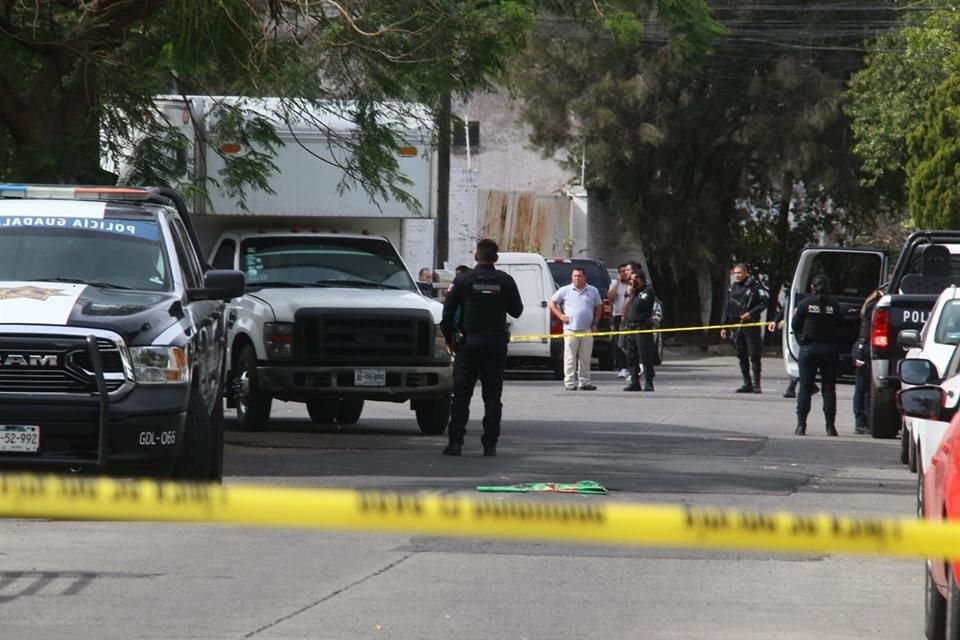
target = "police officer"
x: 638, y: 315
x: 815, y: 320
x: 746, y: 300
x: 475, y: 327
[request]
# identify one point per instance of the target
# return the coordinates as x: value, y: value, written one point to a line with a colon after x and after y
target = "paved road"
x: 691, y: 442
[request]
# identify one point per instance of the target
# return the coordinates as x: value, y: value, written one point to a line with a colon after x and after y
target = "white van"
x: 536, y: 286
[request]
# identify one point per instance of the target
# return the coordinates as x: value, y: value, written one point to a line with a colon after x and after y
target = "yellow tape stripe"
x: 85, y: 498
x: 583, y: 334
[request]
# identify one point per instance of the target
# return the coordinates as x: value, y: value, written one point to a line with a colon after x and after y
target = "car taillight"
x: 556, y: 326
x: 607, y: 309
x: 880, y: 328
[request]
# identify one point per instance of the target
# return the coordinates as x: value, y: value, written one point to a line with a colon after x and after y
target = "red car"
x: 941, y: 500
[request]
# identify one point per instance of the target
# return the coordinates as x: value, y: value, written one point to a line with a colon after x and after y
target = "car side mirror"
x: 220, y: 284
x: 921, y: 402
x: 918, y: 371
x: 909, y: 338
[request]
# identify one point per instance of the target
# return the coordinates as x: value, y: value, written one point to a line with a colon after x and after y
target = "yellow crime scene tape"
x: 94, y: 498
x: 582, y: 334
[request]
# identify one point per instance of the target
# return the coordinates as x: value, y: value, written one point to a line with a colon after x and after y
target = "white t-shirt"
x: 578, y: 305
x: 621, y: 289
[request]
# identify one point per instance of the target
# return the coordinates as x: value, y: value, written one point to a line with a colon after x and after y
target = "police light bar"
x: 53, y: 192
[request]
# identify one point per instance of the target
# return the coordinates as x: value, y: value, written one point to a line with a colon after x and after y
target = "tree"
x: 888, y: 96
x: 933, y: 168
x: 76, y: 75
x: 741, y: 155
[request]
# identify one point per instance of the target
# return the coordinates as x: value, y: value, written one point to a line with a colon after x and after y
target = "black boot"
x: 746, y: 388
x: 756, y: 379
x: 452, y: 449
x: 648, y: 386
x: 791, y: 391
x: 801, y: 429
x: 832, y: 430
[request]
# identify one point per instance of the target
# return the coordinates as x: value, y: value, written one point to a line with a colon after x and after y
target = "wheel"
x: 882, y: 413
x: 323, y: 411
x: 913, y: 453
x: 432, y: 415
x: 935, y: 609
x: 196, y: 450
x: 658, y: 358
x: 904, y: 444
x: 253, y: 406
x: 349, y: 410
x: 952, y: 622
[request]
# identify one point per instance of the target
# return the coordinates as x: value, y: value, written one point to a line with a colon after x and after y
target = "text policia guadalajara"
x: 122, y: 227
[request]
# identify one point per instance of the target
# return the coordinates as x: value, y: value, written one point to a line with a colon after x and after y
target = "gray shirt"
x: 578, y: 306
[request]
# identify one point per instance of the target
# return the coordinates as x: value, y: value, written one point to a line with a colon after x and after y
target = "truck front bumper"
x: 140, y: 433
x: 396, y: 384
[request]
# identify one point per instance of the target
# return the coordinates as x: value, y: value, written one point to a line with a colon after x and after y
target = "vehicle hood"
x: 138, y: 316
x: 285, y: 302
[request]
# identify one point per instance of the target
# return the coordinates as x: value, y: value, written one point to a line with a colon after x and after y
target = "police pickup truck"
x: 112, y: 334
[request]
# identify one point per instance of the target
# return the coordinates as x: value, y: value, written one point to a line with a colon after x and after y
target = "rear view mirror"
x: 917, y: 370
x: 921, y: 402
x: 909, y: 338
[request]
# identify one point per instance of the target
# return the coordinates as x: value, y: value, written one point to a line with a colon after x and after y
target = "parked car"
x: 936, y: 342
x: 536, y: 286
x: 604, y: 347
x: 941, y: 491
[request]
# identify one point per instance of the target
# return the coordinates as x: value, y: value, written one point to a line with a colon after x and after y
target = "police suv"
x: 112, y: 334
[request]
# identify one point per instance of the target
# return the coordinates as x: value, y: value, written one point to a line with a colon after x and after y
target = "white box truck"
x: 333, y: 316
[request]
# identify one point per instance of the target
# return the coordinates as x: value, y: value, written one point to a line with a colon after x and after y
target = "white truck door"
x: 853, y: 274
x: 535, y: 319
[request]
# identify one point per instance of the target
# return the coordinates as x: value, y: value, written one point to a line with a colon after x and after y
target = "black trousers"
x: 620, y: 357
x: 822, y: 357
x: 482, y: 356
x: 640, y: 350
x: 748, y: 343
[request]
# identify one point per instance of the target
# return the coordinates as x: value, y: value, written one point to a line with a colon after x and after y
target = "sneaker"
x: 757, y: 389
x: 588, y: 387
x: 623, y: 374
x: 570, y: 388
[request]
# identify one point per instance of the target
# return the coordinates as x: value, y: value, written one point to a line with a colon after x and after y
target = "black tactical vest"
x: 485, y: 304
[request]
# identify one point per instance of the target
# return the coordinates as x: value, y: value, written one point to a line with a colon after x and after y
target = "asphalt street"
x: 691, y: 442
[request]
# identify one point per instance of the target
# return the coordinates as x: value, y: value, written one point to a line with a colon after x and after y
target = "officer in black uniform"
x: 815, y: 320
x: 746, y: 300
x: 638, y: 314
x: 478, y: 337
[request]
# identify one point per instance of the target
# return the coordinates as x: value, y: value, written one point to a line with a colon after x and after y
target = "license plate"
x: 19, y: 437
x: 369, y: 377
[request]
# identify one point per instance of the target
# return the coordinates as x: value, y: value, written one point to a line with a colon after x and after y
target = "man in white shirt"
x: 579, y: 307
x: 617, y: 294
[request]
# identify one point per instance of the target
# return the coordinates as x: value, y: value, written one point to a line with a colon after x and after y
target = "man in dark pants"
x: 815, y: 322
x: 746, y: 300
x: 860, y: 354
x: 638, y: 315
x: 474, y: 326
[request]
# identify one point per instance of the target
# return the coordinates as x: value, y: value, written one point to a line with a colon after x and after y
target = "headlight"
x: 439, y: 344
x: 160, y: 365
x: 278, y: 340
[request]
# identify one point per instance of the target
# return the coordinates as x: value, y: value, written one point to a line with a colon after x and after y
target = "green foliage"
x: 933, y: 170
x: 888, y: 96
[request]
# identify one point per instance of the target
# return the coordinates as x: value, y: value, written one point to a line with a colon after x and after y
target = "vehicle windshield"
x: 852, y: 275
x: 115, y: 252
x: 948, y: 329
x: 323, y: 261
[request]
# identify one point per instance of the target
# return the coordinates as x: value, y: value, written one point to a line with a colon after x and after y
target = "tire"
x: 323, y: 411
x: 904, y: 444
x: 432, y: 415
x: 349, y: 410
x: 952, y: 622
x: 253, y: 406
x: 882, y: 414
x: 196, y: 451
x: 935, y: 609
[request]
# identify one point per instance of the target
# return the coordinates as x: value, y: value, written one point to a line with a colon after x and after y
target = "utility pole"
x: 443, y: 180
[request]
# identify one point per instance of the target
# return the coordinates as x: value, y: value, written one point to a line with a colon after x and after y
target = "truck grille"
x: 55, y: 364
x: 336, y: 336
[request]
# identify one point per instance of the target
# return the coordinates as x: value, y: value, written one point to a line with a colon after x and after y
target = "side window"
x: 193, y: 278
x: 224, y: 256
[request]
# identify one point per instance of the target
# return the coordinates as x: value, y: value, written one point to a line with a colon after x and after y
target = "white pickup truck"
x: 331, y: 320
